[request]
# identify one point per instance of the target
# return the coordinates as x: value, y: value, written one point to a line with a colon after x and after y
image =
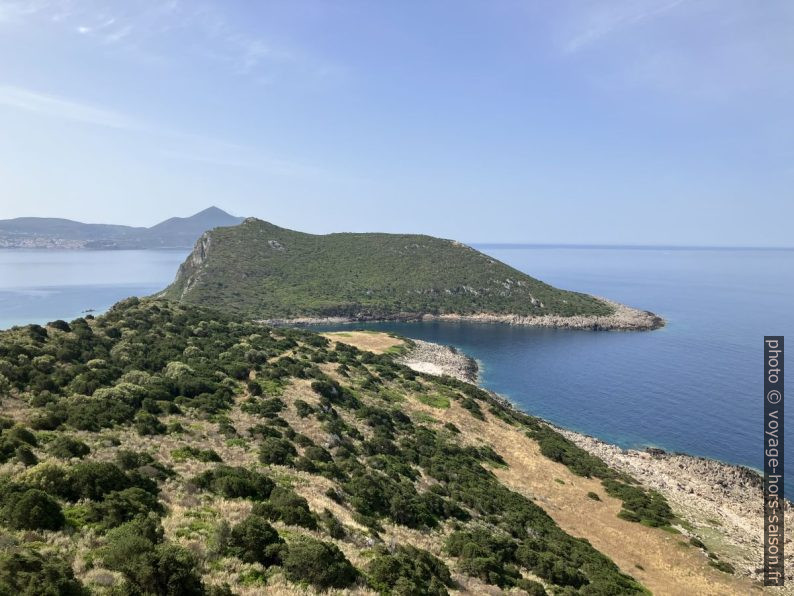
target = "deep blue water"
x: 694, y: 386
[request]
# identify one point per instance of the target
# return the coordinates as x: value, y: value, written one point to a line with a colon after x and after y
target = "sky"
x: 548, y: 121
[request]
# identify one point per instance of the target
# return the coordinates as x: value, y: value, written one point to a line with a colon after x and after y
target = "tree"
x: 27, y: 573
x: 33, y: 510
x: 319, y: 563
x: 255, y: 541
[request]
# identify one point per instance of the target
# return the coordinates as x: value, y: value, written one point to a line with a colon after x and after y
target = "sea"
x: 694, y: 386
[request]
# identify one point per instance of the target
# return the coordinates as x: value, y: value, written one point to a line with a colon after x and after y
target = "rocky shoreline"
x: 624, y: 318
x: 720, y: 504
x: 435, y: 359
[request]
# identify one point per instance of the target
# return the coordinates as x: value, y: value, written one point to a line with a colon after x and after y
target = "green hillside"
x: 166, y: 449
x: 265, y: 271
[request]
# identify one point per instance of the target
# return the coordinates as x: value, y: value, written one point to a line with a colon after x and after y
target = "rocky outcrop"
x: 436, y: 359
x: 190, y: 270
x: 722, y: 503
x: 624, y: 318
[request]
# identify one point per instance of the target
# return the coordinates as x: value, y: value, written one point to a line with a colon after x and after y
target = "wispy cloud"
x: 66, y: 109
x: 170, y: 144
x: 706, y: 50
x: 150, y: 28
x: 610, y: 17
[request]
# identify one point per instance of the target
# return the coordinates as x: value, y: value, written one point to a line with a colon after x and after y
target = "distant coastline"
x: 520, y: 245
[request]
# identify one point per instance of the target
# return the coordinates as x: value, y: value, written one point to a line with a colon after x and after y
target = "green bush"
x: 20, y: 434
x: 25, y: 456
x: 318, y: 563
x: 235, y: 482
x: 408, y: 570
x: 33, y: 510
x: 189, y: 452
x: 149, y: 565
x: 93, y: 479
x: 28, y: 573
x: 122, y: 506
x: 647, y: 506
x: 66, y: 447
x: 254, y: 540
x: 149, y: 424
x: 303, y: 408
x: 287, y: 506
x: 276, y: 451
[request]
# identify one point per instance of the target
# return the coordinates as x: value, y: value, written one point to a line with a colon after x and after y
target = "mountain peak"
x: 214, y: 211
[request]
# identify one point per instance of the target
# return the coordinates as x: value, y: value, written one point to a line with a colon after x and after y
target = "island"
x: 269, y: 273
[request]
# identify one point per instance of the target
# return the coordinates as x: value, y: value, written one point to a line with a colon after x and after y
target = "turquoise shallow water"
x: 694, y: 386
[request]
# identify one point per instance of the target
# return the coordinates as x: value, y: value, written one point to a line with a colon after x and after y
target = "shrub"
x: 93, y: 480
x: 189, y: 452
x: 59, y: 324
x: 267, y: 408
x: 287, y: 506
x: 303, y: 408
x: 594, y: 496
x: 66, y: 447
x: 150, y: 566
x: 254, y: 540
x: 723, y: 566
x: 20, y: 434
x: 235, y: 482
x: 52, y: 479
x: 639, y: 504
x: 408, y: 570
x: 25, y: 456
x: 452, y: 428
x: 33, y: 510
x: 122, y: 506
x: 27, y: 573
x: 333, y: 526
x: 149, y: 424
x: 318, y: 454
x: 318, y: 563
x: 276, y: 451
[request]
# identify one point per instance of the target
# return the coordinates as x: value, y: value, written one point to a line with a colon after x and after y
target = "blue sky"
x: 559, y: 121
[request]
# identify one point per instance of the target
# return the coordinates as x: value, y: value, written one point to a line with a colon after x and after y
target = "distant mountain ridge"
x: 49, y: 232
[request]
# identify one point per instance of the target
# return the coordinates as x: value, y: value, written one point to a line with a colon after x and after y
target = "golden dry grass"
x: 366, y: 340
x: 669, y: 568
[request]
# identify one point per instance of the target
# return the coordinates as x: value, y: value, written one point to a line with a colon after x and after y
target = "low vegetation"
x: 179, y: 451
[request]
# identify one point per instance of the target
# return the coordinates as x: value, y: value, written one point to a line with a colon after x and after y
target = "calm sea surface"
x: 694, y: 386
x: 37, y: 286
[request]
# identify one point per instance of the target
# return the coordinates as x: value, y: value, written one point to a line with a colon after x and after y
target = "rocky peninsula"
x: 267, y: 273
